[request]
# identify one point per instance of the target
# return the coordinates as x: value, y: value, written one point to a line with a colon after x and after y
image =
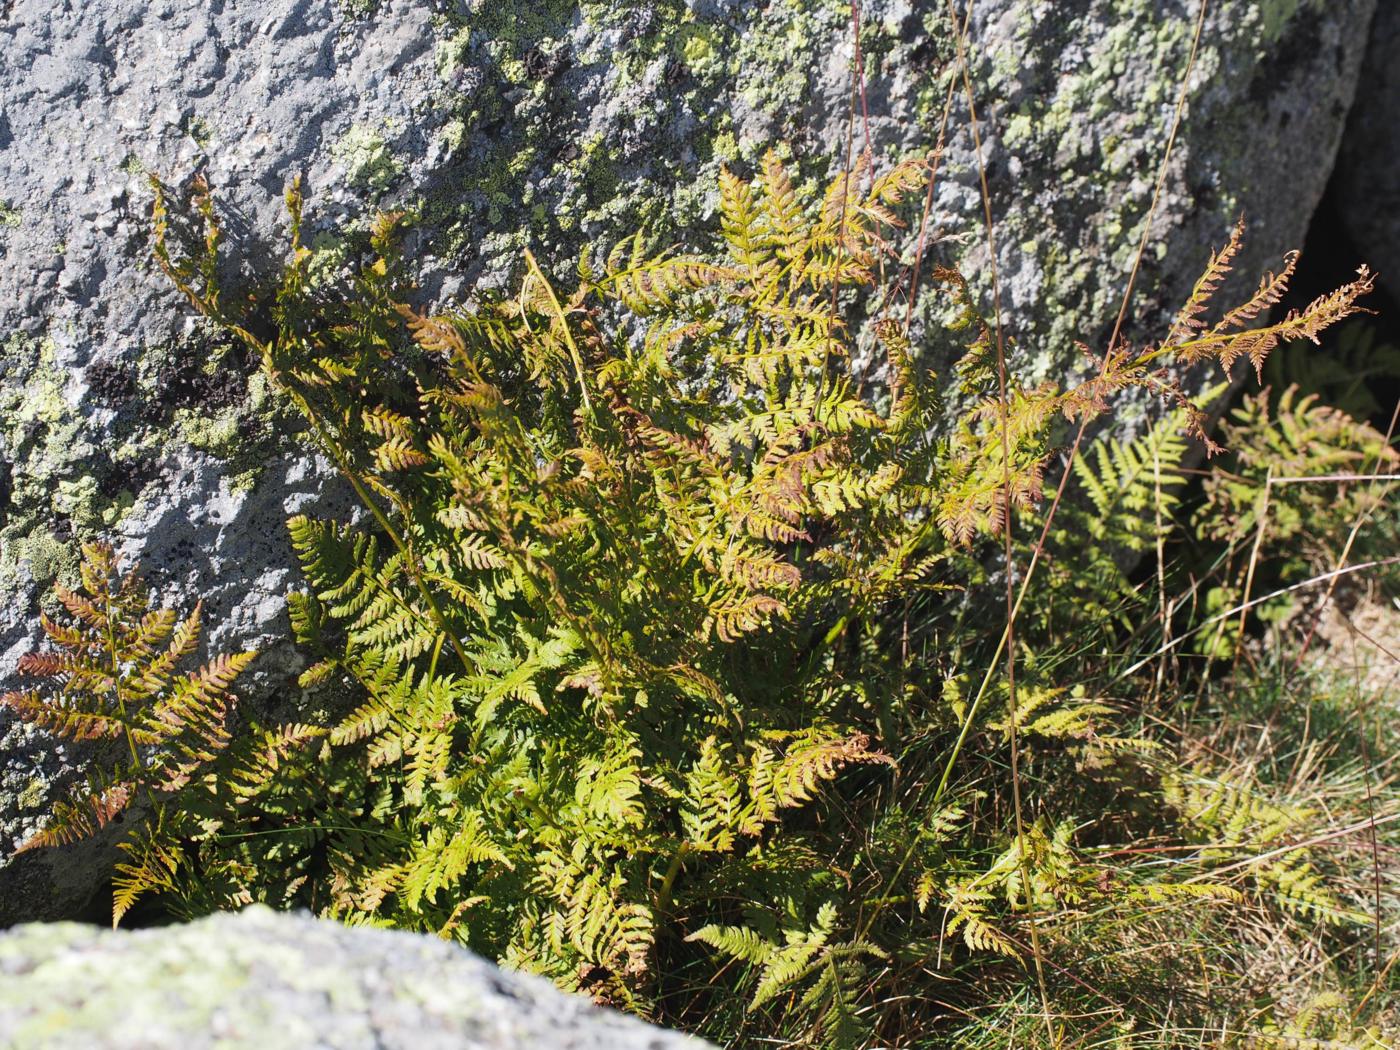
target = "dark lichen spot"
x: 189, y: 383
x: 111, y: 382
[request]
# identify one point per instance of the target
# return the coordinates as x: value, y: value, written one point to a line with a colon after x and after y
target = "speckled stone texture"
x: 263, y: 981
x: 553, y: 124
x: 1368, y: 171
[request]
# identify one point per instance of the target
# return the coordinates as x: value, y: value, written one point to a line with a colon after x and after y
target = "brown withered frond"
x: 1231, y: 339
x: 1188, y: 321
x: 1226, y: 346
x: 82, y: 815
x: 112, y: 675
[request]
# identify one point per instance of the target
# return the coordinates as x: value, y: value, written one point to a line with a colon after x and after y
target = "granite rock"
x: 1368, y: 170
x: 267, y: 981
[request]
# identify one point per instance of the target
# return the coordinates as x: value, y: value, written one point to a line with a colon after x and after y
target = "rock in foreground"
x: 267, y: 980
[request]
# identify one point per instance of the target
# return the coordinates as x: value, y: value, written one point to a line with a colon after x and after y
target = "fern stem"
x: 303, y: 828
x: 437, y: 652
x: 564, y: 328
x: 1004, y: 409
x: 112, y: 652
x: 668, y: 881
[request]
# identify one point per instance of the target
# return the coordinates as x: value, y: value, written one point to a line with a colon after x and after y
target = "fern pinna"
x: 112, y: 675
x: 632, y: 601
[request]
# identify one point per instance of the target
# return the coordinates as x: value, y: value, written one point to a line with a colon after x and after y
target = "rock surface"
x: 268, y: 981
x: 550, y: 123
x: 1368, y: 171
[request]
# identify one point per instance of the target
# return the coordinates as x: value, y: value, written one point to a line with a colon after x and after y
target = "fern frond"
x: 62, y: 716
x: 814, y: 756
x: 83, y: 814
x: 1206, y: 286
x: 156, y: 859
x: 710, y: 815
x: 445, y: 857
x: 740, y: 942
x: 257, y: 771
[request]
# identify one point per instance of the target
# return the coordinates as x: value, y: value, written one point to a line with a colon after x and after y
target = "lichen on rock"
x: 260, y: 979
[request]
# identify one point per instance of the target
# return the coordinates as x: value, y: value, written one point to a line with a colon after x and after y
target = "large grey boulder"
x: 502, y: 123
x: 267, y: 981
x: 1368, y: 171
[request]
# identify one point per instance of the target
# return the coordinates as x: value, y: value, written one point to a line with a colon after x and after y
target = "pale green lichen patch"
x: 38, y: 556
x: 34, y: 796
x: 330, y: 256
x: 367, y: 158
x: 159, y: 985
x: 274, y: 981
x: 216, y: 433
x: 1078, y: 140
x: 44, y: 446
x: 9, y: 215
x: 185, y: 984
x: 541, y: 158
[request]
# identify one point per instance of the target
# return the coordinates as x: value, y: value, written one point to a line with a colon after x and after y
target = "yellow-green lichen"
x: 367, y: 158
x: 35, y: 795
x: 216, y: 433
x: 40, y: 557
x: 43, y: 441
x: 330, y: 256
x: 701, y: 47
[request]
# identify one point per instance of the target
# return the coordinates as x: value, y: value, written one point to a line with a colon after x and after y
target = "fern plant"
x: 626, y: 632
x: 1126, y: 502
x: 1233, y: 818
x: 829, y: 976
x: 112, y: 675
x: 1263, y: 489
x: 1347, y: 376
